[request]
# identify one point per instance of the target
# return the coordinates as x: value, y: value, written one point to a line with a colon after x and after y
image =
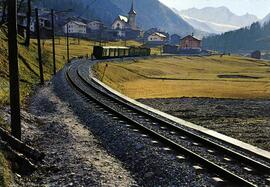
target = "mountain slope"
x: 210, y: 27
x: 255, y: 37
x: 91, y: 9
x: 219, y: 19
x: 265, y: 20
x: 150, y: 13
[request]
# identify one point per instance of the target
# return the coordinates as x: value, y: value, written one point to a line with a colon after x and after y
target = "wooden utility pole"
x: 53, y: 42
x: 28, y: 32
x: 39, y: 49
x: 67, y: 44
x: 14, y: 70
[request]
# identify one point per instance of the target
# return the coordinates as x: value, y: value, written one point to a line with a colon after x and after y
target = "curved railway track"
x: 225, y: 164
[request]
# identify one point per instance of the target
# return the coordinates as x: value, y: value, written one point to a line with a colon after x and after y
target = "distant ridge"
x: 254, y: 37
x: 218, y: 20
x: 150, y: 13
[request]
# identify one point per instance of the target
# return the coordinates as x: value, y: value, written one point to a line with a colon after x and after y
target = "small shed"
x: 157, y: 37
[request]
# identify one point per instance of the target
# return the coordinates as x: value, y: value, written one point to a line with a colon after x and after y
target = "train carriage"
x: 105, y: 52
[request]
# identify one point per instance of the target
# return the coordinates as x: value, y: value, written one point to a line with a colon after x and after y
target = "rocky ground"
x: 74, y: 156
x: 246, y: 120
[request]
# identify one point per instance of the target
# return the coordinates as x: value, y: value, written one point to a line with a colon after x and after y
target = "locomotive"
x: 105, y: 52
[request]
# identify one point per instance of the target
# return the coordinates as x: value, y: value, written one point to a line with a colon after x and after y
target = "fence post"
x: 53, y: 42
x: 39, y: 49
x: 67, y: 44
x: 14, y: 70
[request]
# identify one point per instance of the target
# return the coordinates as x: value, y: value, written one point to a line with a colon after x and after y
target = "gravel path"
x: 246, y: 120
x: 74, y: 156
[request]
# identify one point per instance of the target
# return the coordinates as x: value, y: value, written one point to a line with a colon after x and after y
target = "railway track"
x: 225, y: 165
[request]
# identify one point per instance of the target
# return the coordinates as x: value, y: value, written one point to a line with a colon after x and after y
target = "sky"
x: 260, y: 8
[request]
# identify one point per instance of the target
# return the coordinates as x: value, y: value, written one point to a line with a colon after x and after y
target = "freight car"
x: 105, y: 52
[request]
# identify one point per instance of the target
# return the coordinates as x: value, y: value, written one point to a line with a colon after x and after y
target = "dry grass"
x: 190, y: 77
x: 28, y: 63
x: 78, y: 48
x: 5, y: 173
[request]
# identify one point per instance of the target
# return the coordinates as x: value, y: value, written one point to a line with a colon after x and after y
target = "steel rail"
x: 233, y: 178
x: 260, y: 167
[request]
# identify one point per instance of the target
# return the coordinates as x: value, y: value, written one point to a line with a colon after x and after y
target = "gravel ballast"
x: 246, y: 120
x: 85, y: 146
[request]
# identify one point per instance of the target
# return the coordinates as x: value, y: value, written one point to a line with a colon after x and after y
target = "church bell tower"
x: 132, y: 17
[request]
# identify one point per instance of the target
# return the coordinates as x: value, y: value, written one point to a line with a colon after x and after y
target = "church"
x: 126, y: 25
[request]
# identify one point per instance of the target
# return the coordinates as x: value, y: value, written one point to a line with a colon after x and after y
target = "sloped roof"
x: 189, y: 36
x: 132, y: 11
x: 123, y: 18
x: 96, y: 21
x: 78, y: 23
x: 159, y: 34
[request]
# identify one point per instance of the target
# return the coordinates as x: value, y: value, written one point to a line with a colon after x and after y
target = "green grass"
x: 214, y: 77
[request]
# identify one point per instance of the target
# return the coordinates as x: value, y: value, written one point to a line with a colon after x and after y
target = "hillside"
x: 265, y: 20
x: 219, y: 19
x: 255, y: 37
x: 28, y: 68
x: 151, y: 13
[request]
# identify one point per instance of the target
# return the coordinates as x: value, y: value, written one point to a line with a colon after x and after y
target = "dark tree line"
x: 255, y: 37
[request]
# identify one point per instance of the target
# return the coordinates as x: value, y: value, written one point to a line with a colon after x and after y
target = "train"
x: 106, y: 52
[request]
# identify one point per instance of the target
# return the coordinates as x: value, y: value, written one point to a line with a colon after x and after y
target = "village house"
x: 153, y: 30
x: 156, y: 37
x: 120, y: 23
x: 95, y: 25
x: 190, y: 42
x: 75, y: 27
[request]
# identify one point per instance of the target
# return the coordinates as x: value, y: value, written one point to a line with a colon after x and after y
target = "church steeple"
x: 132, y: 11
x: 132, y: 17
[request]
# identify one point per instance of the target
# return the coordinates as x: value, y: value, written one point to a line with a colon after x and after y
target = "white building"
x: 95, y: 25
x: 120, y: 23
x: 75, y: 27
x: 123, y: 22
x: 156, y: 37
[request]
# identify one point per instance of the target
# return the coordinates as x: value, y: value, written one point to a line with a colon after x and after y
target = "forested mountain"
x: 255, y: 37
x: 219, y: 19
x: 150, y: 13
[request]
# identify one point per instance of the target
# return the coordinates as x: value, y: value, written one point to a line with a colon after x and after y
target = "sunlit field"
x: 28, y: 60
x: 167, y: 77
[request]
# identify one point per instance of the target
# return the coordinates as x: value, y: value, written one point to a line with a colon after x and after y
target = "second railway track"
x: 224, y: 164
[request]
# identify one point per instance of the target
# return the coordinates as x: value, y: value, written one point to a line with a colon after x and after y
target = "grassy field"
x: 28, y: 64
x: 167, y: 77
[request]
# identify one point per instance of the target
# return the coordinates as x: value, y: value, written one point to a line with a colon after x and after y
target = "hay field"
x: 169, y: 77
